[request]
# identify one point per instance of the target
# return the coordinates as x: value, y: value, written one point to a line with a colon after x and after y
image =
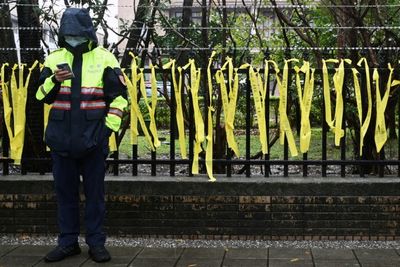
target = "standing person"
x: 87, y: 103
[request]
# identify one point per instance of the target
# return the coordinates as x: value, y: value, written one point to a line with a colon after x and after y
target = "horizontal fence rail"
x: 343, y: 164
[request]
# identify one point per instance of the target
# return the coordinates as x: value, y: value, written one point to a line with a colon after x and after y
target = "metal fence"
x: 285, y: 162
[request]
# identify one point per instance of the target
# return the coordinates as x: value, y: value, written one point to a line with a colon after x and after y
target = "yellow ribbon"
x: 305, y: 99
x: 178, y: 100
x: 210, y: 143
x: 285, y: 129
x: 112, y: 143
x: 338, y: 80
x: 259, y: 94
x: 381, y: 103
x: 151, y: 109
x: 136, y: 114
x: 16, y: 108
x: 363, y: 125
x: 229, y: 101
x: 132, y: 91
x: 198, y: 120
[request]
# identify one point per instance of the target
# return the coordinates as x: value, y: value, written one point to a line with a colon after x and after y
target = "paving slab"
x: 124, y: 251
x: 203, y: 253
x: 377, y: 257
x: 332, y: 254
x: 199, y: 263
x: 20, y: 261
x: 289, y: 253
x: 380, y: 264
x: 245, y: 263
x: 115, y: 262
x: 4, y: 249
x: 30, y: 250
x: 336, y: 263
x: 75, y: 260
x: 289, y: 262
x: 166, y: 262
x: 154, y: 253
x: 373, y: 254
x: 247, y: 253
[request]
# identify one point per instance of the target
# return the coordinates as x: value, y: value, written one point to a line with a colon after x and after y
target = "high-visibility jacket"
x: 87, y: 107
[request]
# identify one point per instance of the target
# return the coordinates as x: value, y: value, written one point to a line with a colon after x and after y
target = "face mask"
x: 74, y: 41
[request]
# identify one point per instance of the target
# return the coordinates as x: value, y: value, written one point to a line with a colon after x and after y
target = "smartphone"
x: 65, y: 66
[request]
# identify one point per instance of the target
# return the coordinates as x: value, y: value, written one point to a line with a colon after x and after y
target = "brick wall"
x: 234, y: 208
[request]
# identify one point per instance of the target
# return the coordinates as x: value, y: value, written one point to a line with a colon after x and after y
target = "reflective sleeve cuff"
x: 46, y: 87
x: 113, y: 122
x: 119, y: 103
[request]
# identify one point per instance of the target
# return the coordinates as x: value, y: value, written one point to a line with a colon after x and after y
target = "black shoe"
x: 99, y: 254
x: 60, y: 253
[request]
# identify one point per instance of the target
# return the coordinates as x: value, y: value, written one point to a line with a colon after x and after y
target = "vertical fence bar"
x: 381, y: 167
x: 324, y: 129
x: 6, y: 152
x: 115, y: 156
x: 191, y: 131
x: 343, y: 139
x: 172, y: 130
x: 153, y: 161
x: 398, y: 136
x: 134, y: 162
x: 248, y: 121
x: 362, y: 85
x: 305, y: 167
x: 267, y: 114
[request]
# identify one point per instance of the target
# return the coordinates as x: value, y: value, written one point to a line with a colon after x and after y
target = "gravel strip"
x: 184, y: 243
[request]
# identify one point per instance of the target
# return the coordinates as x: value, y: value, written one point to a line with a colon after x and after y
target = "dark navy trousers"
x: 67, y: 172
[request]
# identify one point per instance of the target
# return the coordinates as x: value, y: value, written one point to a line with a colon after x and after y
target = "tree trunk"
x: 7, y: 41
x: 136, y: 35
x: 30, y: 38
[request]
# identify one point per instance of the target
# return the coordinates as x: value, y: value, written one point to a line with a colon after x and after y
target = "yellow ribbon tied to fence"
x: 285, y: 129
x: 16, y: 109
x: 195, y: 75
x: 209, y: 138
x: 151, y: 109
x: 338, y: 80
x: 259, y: 95
x: 305, y: 99
x: 363, y: 125
x: 381, y: 103
x: 229, y: 100
x: 178, y: 101
x: 135, y: 110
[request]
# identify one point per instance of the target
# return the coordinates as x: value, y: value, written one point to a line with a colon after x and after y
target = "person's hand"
x: 62, y: 75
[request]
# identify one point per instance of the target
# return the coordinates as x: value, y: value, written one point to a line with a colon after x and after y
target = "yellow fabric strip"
x: 178, y: 101
x: 381, y: 103
x: 305, y: 99
x: 152, y: 111
x: 17, y: 108
x: 363, y: 125
x: 338, y: 80
x: 285, y: 129
x: 198, y: 120
x: 210, y: 128
x: 112, y: 142
x: 229, y: 101
x: 132, y: 91
x: 259, y: 103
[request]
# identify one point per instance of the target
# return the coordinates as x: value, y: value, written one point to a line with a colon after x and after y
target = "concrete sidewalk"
x: 28, y: 255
